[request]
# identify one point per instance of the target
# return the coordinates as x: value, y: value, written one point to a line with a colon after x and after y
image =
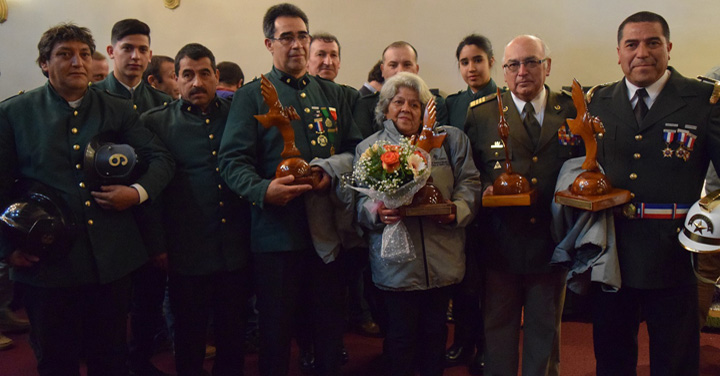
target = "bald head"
x: 526, y: 65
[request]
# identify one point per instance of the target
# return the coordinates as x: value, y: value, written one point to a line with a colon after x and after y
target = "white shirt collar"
x: 652, y: 90
x: 538, y: 104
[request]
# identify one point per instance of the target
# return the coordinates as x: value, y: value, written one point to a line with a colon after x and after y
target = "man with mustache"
x: 131, y: 54
x: 77, y: 303
x: 659, y: 127
x: 291, y: 268
x: 517, y: 245
x: 206, y: 226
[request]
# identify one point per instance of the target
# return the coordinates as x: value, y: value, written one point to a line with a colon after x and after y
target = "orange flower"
x: 392, y: 147
x: 390, y: 161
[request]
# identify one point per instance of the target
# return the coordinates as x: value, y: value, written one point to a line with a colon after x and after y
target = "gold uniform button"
x: 677, y: 230
x: 219, y: 186
x: 638, y: 137
x: 75, y: 113
x: 303, y: 95
x: 207, y: 121
x: 633, y: 176
x: 310, y: 126
x: 189, y: 108
x: 222, y: 203
x: 134, y: 107
x: 74, y: 131
x: 533, y: 220
x: 217, y: 169
x: 90, y: 222
x: 78, y: 166
x: 81, y: 185
x: 636, y: 155
x: 497, y: 153
x: 214, y: 152
x: 307, y: 110
x: 601, y: 135
x: 535, y: 158
x: 533, y: 180
x: 632, y: 195
x: 211, y: 136
x: 76, y: 147
x: 223, y: 220
x: 87, y: 203
x: 312, y: 142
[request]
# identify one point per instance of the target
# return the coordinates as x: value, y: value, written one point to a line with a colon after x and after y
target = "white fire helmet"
x: 701, y: 232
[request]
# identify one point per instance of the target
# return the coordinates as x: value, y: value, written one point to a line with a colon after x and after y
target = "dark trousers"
x: 70, y: 322
x: 284, y: 281
x: 672, y: 324
x: 416, y: 331
x: 193, y: 299
x: 146, y: 313
x: 469, y: 326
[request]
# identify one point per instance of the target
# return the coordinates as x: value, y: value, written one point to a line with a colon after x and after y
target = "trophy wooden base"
x: 519, y: 199
x: 593, y: 203
x: 427, y: 209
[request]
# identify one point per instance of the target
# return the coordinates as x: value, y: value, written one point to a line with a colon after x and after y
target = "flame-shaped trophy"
x: 510, y: 188
x: 282, y: 117
x: 428, y: 200
x: 591, y: 190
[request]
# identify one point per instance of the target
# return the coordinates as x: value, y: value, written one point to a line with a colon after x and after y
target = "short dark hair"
x: 399, y: 44
x: 194, y: 51
x: 375, y: 73
x: 645, y: 16
x: 153, y: 68
x: 128, y: 26
x: 98, y: 56
x: 477, y: 40
x: 63, y: 32
x: 281, y: 10
x: 230, y: 73
x: 327, y: 38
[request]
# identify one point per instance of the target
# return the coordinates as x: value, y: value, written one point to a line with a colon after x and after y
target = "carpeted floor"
x: 577, y: 355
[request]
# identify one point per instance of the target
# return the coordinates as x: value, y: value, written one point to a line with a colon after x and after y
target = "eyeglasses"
x: 287, y: 40
x: 529, y: 64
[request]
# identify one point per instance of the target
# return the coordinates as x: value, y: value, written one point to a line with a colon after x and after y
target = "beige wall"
x: 580, y: 33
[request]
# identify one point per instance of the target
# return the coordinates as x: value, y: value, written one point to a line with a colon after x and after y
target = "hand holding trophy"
x: 282, y: 117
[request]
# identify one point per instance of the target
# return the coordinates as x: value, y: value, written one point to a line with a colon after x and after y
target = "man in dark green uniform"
x: 517, y: 242
x: 399, y: 56
x: 77, y: 304
x: 206, y: 226
x: 288, y: 267
x: 324, y: 62
x: 130, y: 51
x: 661, y: 131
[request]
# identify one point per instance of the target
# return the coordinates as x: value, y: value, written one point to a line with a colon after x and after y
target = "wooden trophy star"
x: 591, y: 190
x: 282, y: 117
x: 510, y: 188
x: 428, y: 200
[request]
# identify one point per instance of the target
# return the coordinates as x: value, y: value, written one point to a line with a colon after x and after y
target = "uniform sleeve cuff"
x: 142, y: 192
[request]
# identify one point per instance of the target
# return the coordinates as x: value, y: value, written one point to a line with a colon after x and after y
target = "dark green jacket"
x: 250, y: 153
x: 364, y: 113
x: 457, y: 104
x: 144, y: 98
x: 43, y: 138
x: 518, y: 239
x: 206, y: 226
x: 649, y: 252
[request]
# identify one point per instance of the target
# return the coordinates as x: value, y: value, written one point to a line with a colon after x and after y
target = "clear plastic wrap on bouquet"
x: 397, y: 246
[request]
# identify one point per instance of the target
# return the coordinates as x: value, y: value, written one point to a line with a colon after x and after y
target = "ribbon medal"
x: 684, y: 138
x: 669, y: 137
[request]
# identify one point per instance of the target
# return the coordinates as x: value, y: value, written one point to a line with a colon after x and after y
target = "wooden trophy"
x: 510, y: 188
x: 428, y: 200
x: 281, y: 118
x: 591, y: 190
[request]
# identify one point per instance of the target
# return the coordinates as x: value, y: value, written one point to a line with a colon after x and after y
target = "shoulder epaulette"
x: 115, y: 95
x: 482, y: 100
x: 716, y: 88
x: 21, y: 92
x: 566, y: 93
x: 452, y: 95
x: 591, y: 92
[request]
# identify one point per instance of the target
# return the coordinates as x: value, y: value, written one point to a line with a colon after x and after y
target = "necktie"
x: 531, y: 124
x: 641, y: 107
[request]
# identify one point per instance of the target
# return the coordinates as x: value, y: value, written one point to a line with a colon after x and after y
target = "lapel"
x: 552, y: 121
x: 620, y: 104
x: 517, y: 129
x: 669, y: 101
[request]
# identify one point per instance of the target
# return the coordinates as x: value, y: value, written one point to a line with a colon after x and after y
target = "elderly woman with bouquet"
x: 416, y: 289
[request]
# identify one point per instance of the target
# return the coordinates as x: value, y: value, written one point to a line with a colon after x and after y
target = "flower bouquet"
x: 393, y: 174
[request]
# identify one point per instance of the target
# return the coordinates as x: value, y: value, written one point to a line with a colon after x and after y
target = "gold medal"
x: 322, y: 140
x: 667, y: 152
